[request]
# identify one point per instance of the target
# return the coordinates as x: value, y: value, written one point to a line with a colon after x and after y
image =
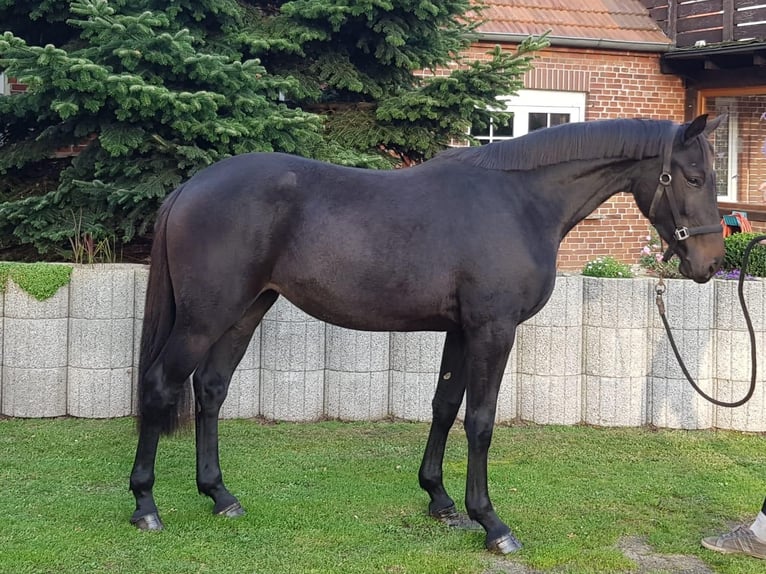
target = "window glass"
x: 739, y: 145
x: 533, y: 110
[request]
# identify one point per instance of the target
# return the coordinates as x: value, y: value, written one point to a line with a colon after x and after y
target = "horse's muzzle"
x: 700, y: 271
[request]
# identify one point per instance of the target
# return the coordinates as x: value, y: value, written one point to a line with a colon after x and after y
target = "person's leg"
x: 742, y: 540
x: 759, y: 526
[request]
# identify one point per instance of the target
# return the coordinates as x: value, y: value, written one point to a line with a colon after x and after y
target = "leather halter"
x: 681, y: 233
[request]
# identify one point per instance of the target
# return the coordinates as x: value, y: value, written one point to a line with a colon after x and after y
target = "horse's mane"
x: 620, y: 138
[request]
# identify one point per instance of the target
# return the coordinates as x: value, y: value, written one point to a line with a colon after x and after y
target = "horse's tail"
x: 159, y: 317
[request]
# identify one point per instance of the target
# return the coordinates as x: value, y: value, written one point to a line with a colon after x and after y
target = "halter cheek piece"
x: 681, y: 233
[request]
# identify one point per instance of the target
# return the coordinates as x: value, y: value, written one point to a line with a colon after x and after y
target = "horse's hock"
x: 595, y: 354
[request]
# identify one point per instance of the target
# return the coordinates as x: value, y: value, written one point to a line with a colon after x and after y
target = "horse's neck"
x: 590, y: 184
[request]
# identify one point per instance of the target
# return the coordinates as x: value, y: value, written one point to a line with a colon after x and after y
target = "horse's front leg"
x: 488, y: 349
x: 446, y: 402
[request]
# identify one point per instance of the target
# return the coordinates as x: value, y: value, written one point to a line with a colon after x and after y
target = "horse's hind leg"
x: 211, y: 383
x: 446, y: 403
x: 166, y: 378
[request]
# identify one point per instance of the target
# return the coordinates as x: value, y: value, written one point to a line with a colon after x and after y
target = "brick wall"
x: 618, y: 84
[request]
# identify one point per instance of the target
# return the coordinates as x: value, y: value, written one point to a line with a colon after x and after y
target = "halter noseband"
x: 681, y: 233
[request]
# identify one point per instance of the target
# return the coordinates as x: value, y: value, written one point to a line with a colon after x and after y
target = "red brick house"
x: 643, y: 58
x: 604, y: 61
x: 720, y: 52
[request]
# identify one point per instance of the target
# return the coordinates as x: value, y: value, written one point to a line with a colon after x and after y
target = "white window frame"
x: 733, y: 151
x: 3, y: 84
x: 536, y: 101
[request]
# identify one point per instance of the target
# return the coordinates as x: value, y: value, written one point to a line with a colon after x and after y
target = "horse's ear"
x: 713, y: 124
x: 695, y: 128
x: 700, y: 125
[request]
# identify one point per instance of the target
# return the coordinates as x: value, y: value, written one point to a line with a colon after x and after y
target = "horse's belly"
x: 365, y: 311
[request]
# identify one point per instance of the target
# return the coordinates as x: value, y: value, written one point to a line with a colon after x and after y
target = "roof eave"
x: 599, y: 43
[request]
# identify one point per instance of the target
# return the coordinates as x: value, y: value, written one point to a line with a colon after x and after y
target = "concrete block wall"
x: 34, y: 356
x: 596, y: 354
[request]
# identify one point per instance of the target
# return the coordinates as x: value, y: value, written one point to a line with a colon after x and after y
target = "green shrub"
x: 735, y: 250
x: 607, y: 266
x: 651, y: 258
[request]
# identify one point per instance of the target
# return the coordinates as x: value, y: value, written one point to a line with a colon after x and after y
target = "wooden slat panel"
x: 659, y: 14
x: 655, y: 3
x: 690, y: 38
x: 696, y: 8
x: 747, y: 3
x: 745, y: 16
x: 699, y: 23
x: 743, y: 32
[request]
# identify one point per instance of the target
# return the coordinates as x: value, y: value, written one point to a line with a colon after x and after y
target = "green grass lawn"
x: 343, y: 498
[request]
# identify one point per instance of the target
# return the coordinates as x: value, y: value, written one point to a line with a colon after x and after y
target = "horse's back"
x: 368, y: 249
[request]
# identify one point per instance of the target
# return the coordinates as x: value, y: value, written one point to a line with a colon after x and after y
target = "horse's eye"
x: 694, y: 181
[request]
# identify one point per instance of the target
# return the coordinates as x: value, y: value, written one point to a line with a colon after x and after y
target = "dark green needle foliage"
x: 150, y: 92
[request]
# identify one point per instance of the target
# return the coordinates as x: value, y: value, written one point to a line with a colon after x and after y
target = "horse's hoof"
x: 148, y: 522
x: 454, y: 519
x: 232, y: 511
x: 504, y: 545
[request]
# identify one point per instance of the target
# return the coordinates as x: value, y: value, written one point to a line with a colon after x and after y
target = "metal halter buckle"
x: 665, y: 178
x: 681, y: 233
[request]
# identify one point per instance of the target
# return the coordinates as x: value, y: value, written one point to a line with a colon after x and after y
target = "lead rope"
x: 660, y: 290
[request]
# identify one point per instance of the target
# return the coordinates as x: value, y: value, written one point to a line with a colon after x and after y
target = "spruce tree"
x: 154, y: 91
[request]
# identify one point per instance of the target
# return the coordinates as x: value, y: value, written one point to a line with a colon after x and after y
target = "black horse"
x: 465, y: 243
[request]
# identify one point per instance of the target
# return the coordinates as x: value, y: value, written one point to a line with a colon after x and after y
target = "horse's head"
x: 684, y: 207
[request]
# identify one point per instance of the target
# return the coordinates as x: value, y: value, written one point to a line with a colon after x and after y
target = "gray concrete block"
x: 617, y: 303
x: 20, y: 305
x: 99, y: 393
x: 292, y: 341
x: 564, y: 308
x: 292, y: 364
x: 551, y: 399
x: 508, y: 398
x: 136, y: 347
x: 357, y: 375
x: 690, y: 309
x: 728, y: 311
x: 417, y: 352
x: 101, y: 343
x: 751, y: 416
x: 35, y: 343
x: 34, y: 354
x: 415, y: 362
x: 732, y: 368
x: 356, y: 396
x: 615, y: 317
x: 243, y: 399
x: 140, y: 281
x: 292, y: 395
x: 550, y: 362
x: 411, y: 395
x: 614, y: 402
x: 102, y: 292
x: 550, y: 357
x: 34, y: 393
x: 357, y: 351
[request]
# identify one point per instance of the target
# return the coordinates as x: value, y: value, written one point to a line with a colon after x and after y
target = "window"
x: 739, y: 143
x: 3, y: 85
x: 532, y: 110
